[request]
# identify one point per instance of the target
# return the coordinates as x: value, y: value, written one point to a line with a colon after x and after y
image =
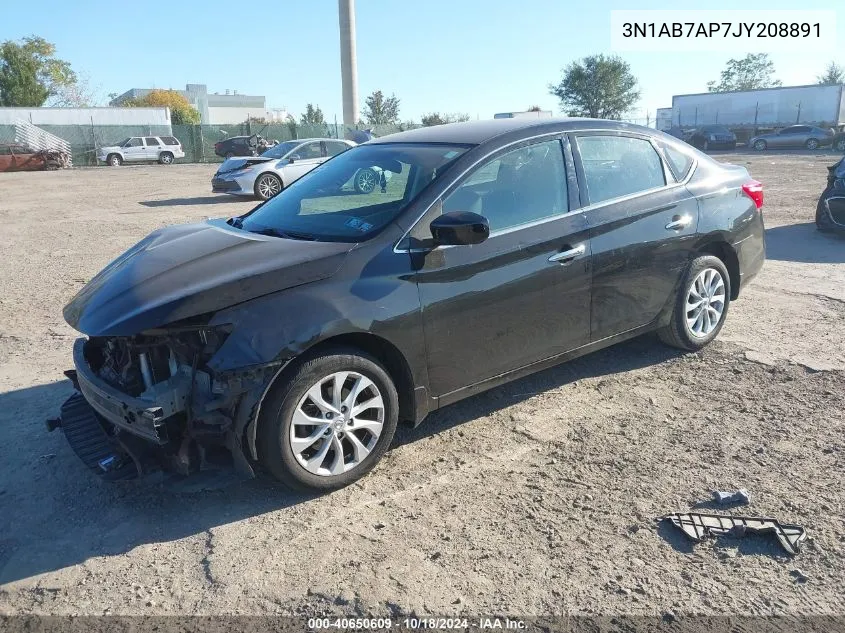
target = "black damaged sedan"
x: 296, y: 336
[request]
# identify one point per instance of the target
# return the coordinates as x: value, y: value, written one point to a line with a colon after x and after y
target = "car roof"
x: 477, y: 132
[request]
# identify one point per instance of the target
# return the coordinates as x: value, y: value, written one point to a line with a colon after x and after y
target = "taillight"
x: 754, y: 190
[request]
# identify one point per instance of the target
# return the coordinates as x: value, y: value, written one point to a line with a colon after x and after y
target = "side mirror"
x: 294, y: 158
x: 459, y: 228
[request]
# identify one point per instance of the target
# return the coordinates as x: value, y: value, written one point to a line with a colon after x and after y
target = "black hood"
x: 187, y: 270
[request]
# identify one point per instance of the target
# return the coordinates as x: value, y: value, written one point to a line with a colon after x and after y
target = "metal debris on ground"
x: 736, y: 496
x: 696, y: 526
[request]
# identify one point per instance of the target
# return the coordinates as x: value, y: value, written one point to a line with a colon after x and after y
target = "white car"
x: 162, y: 149
x: 266, y: 175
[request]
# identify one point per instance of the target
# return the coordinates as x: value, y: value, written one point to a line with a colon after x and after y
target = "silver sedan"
x: 792, y: 137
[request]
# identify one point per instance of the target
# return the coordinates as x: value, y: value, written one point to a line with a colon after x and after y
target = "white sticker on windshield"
x: 451, y: 154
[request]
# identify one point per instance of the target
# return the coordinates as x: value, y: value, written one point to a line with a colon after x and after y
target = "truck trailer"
x: 754, y: 111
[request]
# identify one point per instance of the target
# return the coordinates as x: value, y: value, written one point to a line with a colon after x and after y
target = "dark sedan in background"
x: 297, y: 335
x: 709, y: 137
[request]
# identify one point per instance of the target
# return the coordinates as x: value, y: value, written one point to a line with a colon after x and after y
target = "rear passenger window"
x: 616, y: 166
x: 152, y: 141
x: 522, y: 186
x: 679, y: 162
x: 333, y: 148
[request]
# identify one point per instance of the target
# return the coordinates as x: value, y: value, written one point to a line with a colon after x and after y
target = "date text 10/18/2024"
x: 414, y: 624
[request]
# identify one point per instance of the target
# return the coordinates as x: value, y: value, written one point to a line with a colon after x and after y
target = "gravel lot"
x: 539, y: 497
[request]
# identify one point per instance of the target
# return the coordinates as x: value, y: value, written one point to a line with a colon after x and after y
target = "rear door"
x: 521, y: 296
x: 152, y: 147
x: 642, y: 224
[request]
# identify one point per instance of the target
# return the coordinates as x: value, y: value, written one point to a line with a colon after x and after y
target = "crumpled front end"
x: 150, y: 403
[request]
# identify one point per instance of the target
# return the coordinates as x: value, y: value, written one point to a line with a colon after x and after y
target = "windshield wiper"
x: 288, y: 235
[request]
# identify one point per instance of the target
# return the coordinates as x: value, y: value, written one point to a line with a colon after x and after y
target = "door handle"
x: 565, y: 257
x: 679, y: 222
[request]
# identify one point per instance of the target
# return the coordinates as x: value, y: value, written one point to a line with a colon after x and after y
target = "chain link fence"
x: 197, y: 140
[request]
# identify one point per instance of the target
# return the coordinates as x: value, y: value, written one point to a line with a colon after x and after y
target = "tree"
x: 833, y: 74
x: 181, y: 110
x: 30, y: 73
x: 749, y: 73
x: 380, y: 110
x: 79, y: 94
x: 535, y: 108
x: 598, y: 86
x: 436, y: 118
x: 313, y: 115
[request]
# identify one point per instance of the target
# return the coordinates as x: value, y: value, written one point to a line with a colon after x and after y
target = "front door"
x: 642, y: 227
x: 522, y: 295
x: 305, y: 158
x: 134, y: 150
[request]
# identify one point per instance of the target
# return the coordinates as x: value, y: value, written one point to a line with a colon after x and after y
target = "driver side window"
x: 309, y: 150
x: 519, y: 187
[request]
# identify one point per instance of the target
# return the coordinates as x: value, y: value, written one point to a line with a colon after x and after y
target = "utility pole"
x: 348, y: 61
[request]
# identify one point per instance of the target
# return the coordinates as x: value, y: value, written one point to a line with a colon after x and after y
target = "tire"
x: 839, y: 145
x: 811, y: 143
x: 823, y: 221
x: 52, y: 166
x: 165, y: 158
x: 760, y: 145
x: 366, y: 180
x: 291, y: 396
x: 679, y: 333
x: 114, y: 160
x: 267, y: 185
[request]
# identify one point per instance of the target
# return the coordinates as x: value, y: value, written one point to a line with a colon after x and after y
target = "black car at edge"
x: 296, y: 336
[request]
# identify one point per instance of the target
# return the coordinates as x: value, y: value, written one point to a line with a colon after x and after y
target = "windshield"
x: 277, y: 151
x: 353, y: 195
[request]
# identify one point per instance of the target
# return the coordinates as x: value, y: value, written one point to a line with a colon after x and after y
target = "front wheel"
x: 329, y: 422
x: 366, y: 180
x: 701, y: 305
x: 812, y: 143
x: 823, y: 221
x: 267, y: 186
x: 839, y: 145
x: 114, y: 160
x: 760, y: 145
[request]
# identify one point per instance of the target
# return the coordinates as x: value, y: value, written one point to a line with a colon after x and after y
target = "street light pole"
x: 348, y: 61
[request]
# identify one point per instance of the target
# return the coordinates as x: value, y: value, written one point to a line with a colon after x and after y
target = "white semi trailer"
x: 764, y: 109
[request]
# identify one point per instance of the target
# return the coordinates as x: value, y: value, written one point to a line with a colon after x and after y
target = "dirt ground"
x: 540, y: 497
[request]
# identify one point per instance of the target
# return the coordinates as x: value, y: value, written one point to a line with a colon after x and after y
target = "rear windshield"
x: 355, y: 194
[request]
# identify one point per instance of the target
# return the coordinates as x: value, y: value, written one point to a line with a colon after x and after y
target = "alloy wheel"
x: 705, y: 304
x: 366, y: 180
x: 760, y: 146
x: 337, y: 423
x: 166, y: 159
x: 269, y: 186
x: 812, y: 144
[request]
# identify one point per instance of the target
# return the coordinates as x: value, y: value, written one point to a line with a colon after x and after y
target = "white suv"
x: 164, y: 149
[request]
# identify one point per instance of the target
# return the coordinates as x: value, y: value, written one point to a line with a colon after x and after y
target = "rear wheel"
x: 267, y: 186
x: 839, y: 145
x: 812, y: 143
x: 114, y: 160
x: 165, y: 158
x: 701, y: 305
x: 329, y: 422
x: 760, y: 145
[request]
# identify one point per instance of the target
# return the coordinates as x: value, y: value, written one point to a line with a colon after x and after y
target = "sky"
x: 476, y: 57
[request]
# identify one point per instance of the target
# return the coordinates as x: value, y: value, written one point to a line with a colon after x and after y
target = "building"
x: 87, y: 116
x: 214, y: 109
